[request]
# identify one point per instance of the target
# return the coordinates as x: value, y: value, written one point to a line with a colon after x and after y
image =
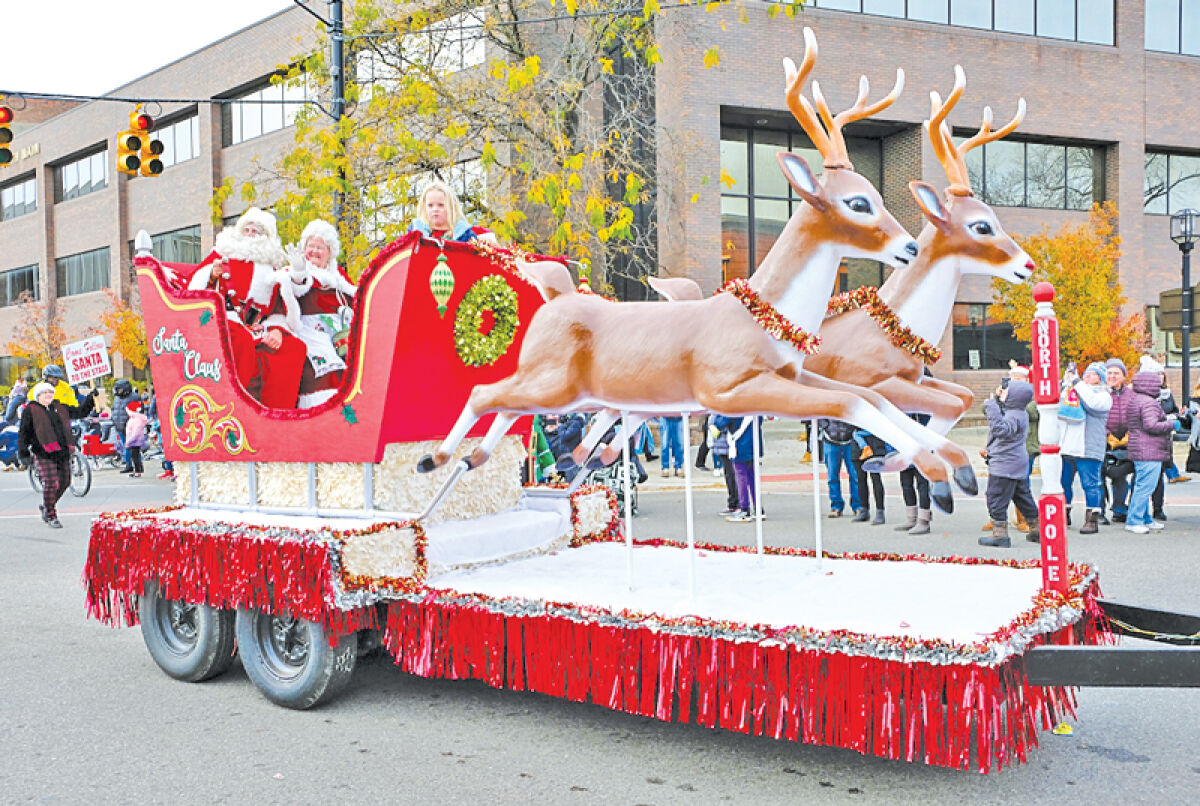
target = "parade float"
x: 303, y: 538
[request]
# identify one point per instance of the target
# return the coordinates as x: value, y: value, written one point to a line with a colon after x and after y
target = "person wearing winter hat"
x: 137, y: 436
x: 244, y: 269
x: 321, y: 314
x: 1117, y: 467
x: 44, y: 438
x: 1082, y: 441
x: 1150, y: 431
x: 1008, y: 462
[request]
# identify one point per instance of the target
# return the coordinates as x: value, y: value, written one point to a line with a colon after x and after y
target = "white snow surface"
x: 963, y: 604
x: 266, y: 519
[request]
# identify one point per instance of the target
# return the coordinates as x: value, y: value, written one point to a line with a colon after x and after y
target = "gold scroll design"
x: 360, y: 363
x: 197, y: 420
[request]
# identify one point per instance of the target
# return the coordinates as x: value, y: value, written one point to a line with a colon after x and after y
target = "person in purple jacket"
x: 1150, y: 431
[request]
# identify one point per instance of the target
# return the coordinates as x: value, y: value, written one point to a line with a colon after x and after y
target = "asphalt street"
x: 87, y: 717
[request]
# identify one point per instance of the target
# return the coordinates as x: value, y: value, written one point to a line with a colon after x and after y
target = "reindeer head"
x: 850, y: 209
x: 965, y: 227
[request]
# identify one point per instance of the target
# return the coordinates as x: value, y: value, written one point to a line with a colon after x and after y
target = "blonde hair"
x: 453, y: 207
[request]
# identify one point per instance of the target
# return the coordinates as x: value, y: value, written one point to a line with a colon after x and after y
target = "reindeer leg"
x: 628, y: 427
x: 498, y: 429
x: 773, y: 394
x: 584, y: 451
x: 966, y: 399
x: 430, y: 462
x: 956, y: 457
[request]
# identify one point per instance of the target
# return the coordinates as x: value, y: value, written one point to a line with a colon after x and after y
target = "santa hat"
x: 1020, y: 370
x: 326, y: 232
x: 261, y: 217
x: 134, y: 405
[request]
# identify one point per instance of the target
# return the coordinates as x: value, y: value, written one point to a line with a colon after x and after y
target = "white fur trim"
x: 199, y: 280
x: 326, y: 232
x: 332, y: 278
x: 261, y: 217
x: 314, y: 399
x: 289, y: 292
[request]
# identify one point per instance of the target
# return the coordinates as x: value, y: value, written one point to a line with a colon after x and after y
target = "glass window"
x: 269, y: 108
x: 272, y: 112
x: 1056, y: 18
x: 1162, y: 25
x: 768, y: 179
x: 982, y: 342
x: 17, y: 281
x: 735, y: 237
x: 1184, y: 182
x: 81, y: 273
x: 81, y: 176
x: 1014, y: 16
x: 180, y: 140
x: 1155, y: 191
x: 1190, y: 27
x: 1045, y: 175
x: 1004, y: 173
x: 884, y: 8
x: 928, y: 10
x: 842, y: 5
x: 176, y: 246
x: 1094, y: 23
x: 18, y: 198
x: 971, y: 13
x: 734, y: 159
x: 1085, y: 177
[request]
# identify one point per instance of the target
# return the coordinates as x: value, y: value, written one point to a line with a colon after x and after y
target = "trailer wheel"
x: 191, y: 642
x: 290, y: 659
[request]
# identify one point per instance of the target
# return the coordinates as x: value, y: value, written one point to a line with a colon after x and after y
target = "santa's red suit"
x: 242, y: 270
x: 322, y: 310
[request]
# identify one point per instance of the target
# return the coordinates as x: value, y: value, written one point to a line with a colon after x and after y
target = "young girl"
x: 136, y: 436
x: 440, y: 215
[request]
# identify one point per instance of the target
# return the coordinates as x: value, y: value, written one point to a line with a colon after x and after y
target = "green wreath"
x: 477, y: 349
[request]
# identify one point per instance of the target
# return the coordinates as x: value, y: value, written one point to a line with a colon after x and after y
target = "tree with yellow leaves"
x: 126, y: 328
x: 1080, y: 261
x: 39, y: 335
x: 541, y: 115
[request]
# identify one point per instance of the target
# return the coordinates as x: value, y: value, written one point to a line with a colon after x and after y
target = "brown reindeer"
x: 962, y: 237
x: 582, y: 352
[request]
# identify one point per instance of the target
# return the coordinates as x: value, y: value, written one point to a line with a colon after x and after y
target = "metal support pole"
x: 312, y: 487
x: 628, y: 505
x: 368, y: 487
x: 252, y: 474
x: 337, y: 75
x: 1186, y: 391
x: 758, y: 534
x: 687, y: 503
x: 194, y: 476
x: 813, y: 444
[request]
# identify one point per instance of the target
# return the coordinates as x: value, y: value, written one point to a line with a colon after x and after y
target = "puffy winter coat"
x: 836, y: 432
x: 1115, y: 422
x: 1085, y: 438
x: 122, y: 397
x: 136, y: 435
x: 1008, y: 425
x: 1149, y: 428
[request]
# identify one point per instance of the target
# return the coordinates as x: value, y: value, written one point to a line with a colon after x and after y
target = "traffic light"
x: 150, y: 147
x: 6, y: 135
x: 129, y: 144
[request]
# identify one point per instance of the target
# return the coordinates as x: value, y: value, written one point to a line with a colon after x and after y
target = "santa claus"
x: 244, y: 268
x: 318, y: 296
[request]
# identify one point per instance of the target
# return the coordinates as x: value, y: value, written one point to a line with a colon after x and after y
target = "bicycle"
x: 81, y: 476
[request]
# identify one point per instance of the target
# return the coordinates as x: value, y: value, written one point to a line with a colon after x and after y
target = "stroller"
x: 613, y: 477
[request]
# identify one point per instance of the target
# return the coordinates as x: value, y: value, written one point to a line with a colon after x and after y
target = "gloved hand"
x: 297, y: 265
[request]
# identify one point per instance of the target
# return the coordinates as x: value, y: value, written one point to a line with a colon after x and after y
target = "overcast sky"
x: 82, y: 47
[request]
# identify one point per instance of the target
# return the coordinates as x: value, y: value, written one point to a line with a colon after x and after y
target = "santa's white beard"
x: 259, y: 249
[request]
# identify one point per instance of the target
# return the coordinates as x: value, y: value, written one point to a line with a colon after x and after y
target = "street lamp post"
x: 1184, y: 234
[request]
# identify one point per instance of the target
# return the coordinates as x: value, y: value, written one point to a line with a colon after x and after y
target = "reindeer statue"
x: 866, y: 343
x: 738, y: 352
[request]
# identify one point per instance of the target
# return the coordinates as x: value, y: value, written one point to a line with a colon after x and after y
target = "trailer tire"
x: 191, y: 642
x: 290, y: 660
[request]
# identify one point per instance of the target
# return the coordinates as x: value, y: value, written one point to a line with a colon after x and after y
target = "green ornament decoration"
x: 441, y: 283
x: 205, y: 317
x: 349, y: 414
x: 474, y: 347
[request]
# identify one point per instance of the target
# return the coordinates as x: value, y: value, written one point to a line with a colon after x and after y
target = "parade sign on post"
x: 86, y: 359
x: 1052, y: 506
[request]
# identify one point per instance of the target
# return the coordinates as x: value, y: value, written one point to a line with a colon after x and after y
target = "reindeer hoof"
x: 426, y: 465
x: 893, y: 462
x: 468, y: 464
x: 942, y: 498
x: 964, y: 477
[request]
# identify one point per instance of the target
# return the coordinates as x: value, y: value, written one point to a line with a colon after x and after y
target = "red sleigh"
x: 415, y: 352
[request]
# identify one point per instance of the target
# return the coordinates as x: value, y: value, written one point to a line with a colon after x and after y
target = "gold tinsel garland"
x: 885, y: 317
x: 770, y: 319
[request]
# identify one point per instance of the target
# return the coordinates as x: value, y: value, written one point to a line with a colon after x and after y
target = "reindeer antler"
x: 953, y: 159
x: 826, y: 131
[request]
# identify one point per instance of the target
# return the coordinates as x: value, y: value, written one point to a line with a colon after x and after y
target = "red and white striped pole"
x: 1052, y: 506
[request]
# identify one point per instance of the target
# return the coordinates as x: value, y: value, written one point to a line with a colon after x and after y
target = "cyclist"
x: 45, y: 439
x: 54, y: 375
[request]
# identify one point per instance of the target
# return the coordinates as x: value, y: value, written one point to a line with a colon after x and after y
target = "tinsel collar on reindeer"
x: 885, y: 317
x: 769, y: 319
